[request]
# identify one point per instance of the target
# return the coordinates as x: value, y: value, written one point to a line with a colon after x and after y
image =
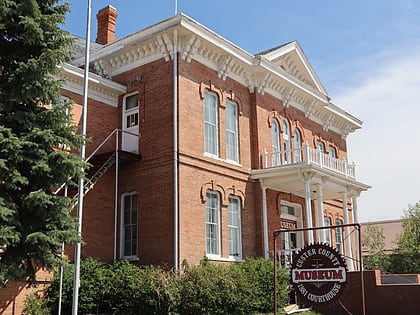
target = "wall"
x: 380, y: 299
x: 13, y: 295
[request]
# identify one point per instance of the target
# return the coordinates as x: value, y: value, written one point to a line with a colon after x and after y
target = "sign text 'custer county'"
x: 320, y: 251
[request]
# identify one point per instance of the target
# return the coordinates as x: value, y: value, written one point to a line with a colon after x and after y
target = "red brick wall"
x: 379, y: 299
x: 152, y: 177
x: 13, y: 295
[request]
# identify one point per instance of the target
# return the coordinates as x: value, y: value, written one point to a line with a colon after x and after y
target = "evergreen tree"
x: 33, y: 220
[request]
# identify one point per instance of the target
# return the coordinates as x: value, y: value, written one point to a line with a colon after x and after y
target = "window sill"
x: 215, y: 157
x: 225, y: 259
x: 131, y: 258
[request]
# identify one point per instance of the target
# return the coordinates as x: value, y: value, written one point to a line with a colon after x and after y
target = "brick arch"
x: 297, y: 125
x: 214, y: 187
x: 274, y: 115
x: 237, y: 193
x: 229, y: 95
x: 317, y: 138
x: 209, y: 86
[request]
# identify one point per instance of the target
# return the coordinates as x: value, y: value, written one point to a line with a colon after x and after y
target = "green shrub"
x: 260, y: 274
x: 94, y: 277
x: 35, y: 305
x: 141, y: 290
x: 124, y: 288
x: 245, y: 288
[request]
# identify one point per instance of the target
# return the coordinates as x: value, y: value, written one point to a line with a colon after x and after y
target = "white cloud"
x: 387, y: 148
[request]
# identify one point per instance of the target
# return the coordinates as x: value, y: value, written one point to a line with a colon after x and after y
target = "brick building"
x: 203, y: 149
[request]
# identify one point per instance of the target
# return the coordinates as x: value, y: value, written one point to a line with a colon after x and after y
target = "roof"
x: 283, y: 71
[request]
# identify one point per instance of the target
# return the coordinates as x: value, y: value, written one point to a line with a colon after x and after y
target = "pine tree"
x: 33, y: 220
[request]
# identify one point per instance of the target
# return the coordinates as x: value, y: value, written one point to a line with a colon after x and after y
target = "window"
x: 275, y: 142
x: 297, y: 146
x: 129, y: 226
x: 327, y: 232
x: 320, y: 146
x: 333, y: 152
x: 288, y: 210
x: 212, y: 223
x: 234, y: 226
x: 286, y: 141
x: 210, y: 123
x: 131, y: 111
x: 338, y: 237
x: 232, y: 131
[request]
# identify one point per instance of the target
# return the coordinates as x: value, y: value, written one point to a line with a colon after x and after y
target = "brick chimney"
x: 107, y: 18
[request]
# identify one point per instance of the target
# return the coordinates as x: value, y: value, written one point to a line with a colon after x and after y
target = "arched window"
x: 275, y: 142
x: 212, y: 223
x: 320, y: 146
x: 286, y: 141
x: 333, y: 152
x: 232, y: 149
x: 234, y: 227
x: 297, y: 147
x: 211, y: 142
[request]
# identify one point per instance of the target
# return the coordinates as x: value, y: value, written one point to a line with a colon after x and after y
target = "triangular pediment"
x: 291, y: 59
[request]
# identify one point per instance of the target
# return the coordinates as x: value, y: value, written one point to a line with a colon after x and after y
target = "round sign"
x: 319, y: 275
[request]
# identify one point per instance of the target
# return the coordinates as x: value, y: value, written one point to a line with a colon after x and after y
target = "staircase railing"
x: 108, y: 163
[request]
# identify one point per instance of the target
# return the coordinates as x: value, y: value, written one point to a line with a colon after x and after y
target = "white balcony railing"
x: 307, y: 155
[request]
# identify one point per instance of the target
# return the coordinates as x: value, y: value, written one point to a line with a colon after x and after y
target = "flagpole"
x: 76, y: 282
x: 176, y: 7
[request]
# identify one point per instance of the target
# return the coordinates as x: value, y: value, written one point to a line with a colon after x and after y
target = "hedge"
x: 125, y: 288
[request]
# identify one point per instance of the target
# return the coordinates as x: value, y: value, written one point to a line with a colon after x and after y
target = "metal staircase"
x: 101, y: 163
x: 99, y: 172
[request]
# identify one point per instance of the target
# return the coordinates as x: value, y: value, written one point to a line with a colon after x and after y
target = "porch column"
x: 307, y: 179
x: 347, y: 240
x: 265, y: 222
x: 356, y: 220
x: 354, y: 208
x: 320, y: 208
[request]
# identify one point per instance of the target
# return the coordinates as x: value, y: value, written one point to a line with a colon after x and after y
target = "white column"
x: 356, y: 220
x: 265, y: 221
x: 347, y: 241
x: 354, y: 208
x: 306, y: 179
x: 320, y: 208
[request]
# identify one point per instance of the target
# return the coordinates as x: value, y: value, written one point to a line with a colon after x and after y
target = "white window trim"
x: 219, y: 244
x: 236, y: 132
x: 239, y: 257
x: 298, y: 217
x: 217, y: 154
x: 132, y: 257
x: 134, y: 109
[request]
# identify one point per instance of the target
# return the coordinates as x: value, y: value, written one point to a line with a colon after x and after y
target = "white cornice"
x: 259, y: 73
x: 100, y: 89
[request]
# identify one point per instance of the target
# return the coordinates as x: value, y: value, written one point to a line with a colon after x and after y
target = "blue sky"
x: 365, y: 52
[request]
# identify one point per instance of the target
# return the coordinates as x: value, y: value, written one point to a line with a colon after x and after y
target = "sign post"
x: 319, y: 273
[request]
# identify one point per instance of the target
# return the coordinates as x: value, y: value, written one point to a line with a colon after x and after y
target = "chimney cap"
x: 107, y: 7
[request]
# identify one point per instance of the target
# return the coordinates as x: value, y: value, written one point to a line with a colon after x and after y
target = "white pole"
x: 176, y: 180
x: 265, y: 223
x: 76, y: 282
x: 60, y: 291
x: 176, y: 7
x: 117, y: 170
